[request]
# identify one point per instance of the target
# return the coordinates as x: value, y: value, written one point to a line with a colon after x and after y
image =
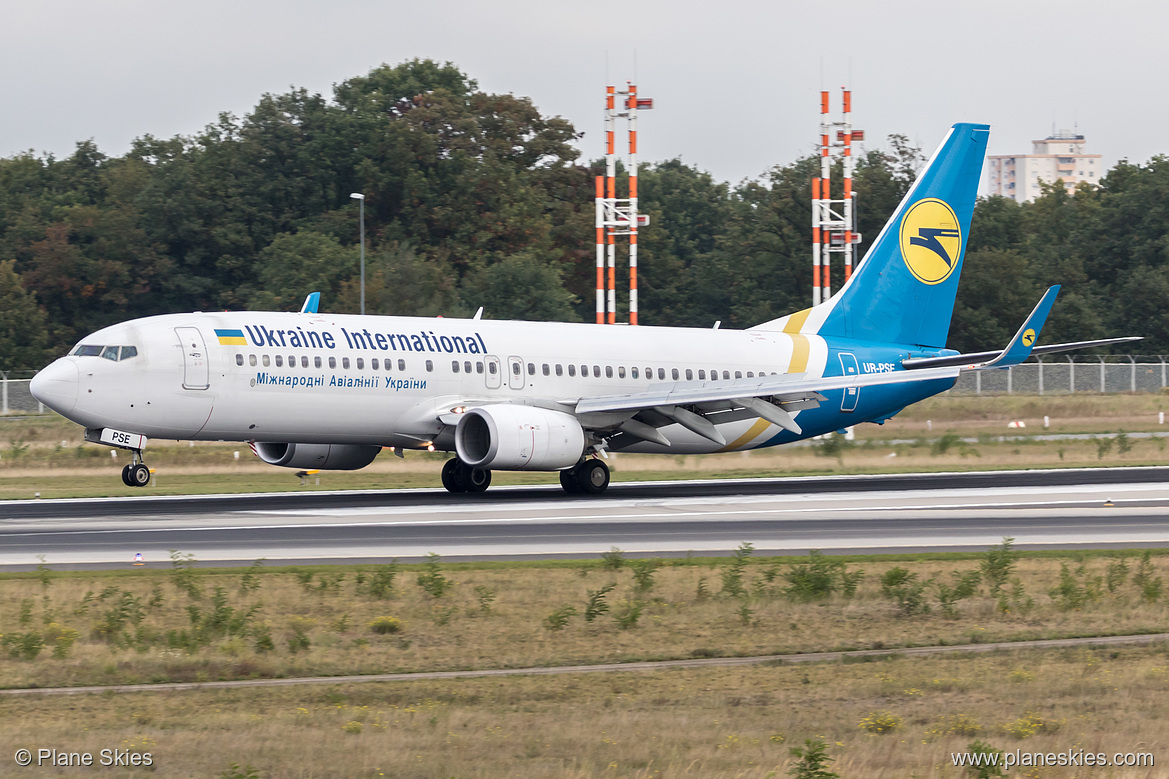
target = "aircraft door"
x: 852, y: 395
x: 493, y: 375
x: 196, y: 375
x: 515, y: 372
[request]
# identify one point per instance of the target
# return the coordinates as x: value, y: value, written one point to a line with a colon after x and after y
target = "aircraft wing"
x: 773, y: 398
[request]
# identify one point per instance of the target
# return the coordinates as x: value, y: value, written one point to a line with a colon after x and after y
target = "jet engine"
x: 334, y: 457
x: 516, y: 438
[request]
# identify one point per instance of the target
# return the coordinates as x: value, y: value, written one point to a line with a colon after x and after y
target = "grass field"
x: 45, y: 454
x: 187, y: 624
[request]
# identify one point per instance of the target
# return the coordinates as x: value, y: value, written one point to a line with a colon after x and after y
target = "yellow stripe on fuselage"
x: 801, y: 346
x: 755, y: 431
x: 232, y: 340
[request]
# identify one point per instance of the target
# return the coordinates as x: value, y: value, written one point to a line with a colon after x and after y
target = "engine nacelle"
x: 331, y: 457
x: 517, y: 438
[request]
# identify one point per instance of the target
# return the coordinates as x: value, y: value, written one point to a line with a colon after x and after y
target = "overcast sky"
x: 735, y: 83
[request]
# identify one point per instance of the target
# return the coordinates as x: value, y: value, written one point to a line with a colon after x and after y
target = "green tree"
x: 22, y: 323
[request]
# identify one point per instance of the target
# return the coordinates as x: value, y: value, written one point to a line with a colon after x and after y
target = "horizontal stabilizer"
x: 974, y: 358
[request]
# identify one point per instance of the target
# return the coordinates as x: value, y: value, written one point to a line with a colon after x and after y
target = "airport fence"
x: 14, y: 395
x: 1138, y: 373
x: 1065, y: 375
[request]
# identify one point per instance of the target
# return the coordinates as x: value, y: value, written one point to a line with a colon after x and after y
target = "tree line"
x: 476, y: 199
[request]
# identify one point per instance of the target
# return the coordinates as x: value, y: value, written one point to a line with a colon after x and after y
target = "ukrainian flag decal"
x: 231, y: 337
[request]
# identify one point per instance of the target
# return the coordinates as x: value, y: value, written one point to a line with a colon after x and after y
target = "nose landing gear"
x: 136, y: 474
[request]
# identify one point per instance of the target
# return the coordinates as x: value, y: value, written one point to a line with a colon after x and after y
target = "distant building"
x: 1059, y: 156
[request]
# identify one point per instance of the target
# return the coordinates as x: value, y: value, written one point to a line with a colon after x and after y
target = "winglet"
x: 1019, y: 348
x: 311, y: 303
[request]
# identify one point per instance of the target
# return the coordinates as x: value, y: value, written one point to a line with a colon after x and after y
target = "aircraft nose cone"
x: 56, y: 386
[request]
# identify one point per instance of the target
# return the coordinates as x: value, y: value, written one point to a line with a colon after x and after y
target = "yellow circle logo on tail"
x: 1028, y: 337
x: 931, y: 240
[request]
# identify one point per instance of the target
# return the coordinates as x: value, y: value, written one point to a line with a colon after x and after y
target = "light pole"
x: 360, y: 197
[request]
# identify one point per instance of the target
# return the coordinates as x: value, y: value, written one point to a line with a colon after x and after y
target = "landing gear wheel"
x: 126, y: 476
x: 592, y: 477
x: 451, y: 471
x: 138, y: 475
x: 476, y: 479
x: 568, y: 481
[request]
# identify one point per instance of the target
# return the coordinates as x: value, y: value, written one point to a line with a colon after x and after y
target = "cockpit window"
x: 113, y: 353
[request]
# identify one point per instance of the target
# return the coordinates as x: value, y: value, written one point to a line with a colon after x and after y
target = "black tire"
x: 568, y: 481
x: 476, y: 479
x: 592, y: 477
x: 126, y: 476
x: 450, y: 476
x: 139, y: 475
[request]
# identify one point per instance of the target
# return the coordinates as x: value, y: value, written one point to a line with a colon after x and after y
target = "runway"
x: 1090, y: 508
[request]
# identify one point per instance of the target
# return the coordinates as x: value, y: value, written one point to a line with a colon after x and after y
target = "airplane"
x: 312, y: 390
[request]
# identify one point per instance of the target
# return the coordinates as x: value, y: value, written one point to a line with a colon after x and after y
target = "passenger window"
x: 584, y: 371
x: 455, y: 366
x: 266, y: 360
x: 332, y: 362
x: 750, y: 374
x: 345, y: 362
x: 515, y: 368
x: 292, y: 361
x: 401, y: 365
x: 674, y: 374
x: 467, y: 366
x: 559, y: 369
x: 479, y: 367
x: 633, y: 372
x: 129, y: 351
x: 531, y: 369
x: 596, y: 371
x: 608, y: 371
x: 571, y: 369
x: 738, y: 374
x: 649, y: 373
x: 111, y: 353
x: 239, y: 359
x: 372, y: 363
x: 316, y: 362
x: 545, y: 369
x: 279, y: 361
x: 701, y: 374
x: 689, y: 374
x: 661, y: 374
x: 360, y: 363
x: 429, y: 366
x: 621, y: 371
x: 304, y: 361
x: 726, y: 374
x: 251, y: 360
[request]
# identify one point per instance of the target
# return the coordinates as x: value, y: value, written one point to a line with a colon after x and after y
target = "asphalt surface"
x: 1089, y: 508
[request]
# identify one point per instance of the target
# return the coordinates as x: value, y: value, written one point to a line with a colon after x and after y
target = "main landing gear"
x: 459, y: 477
x: 588, y: 477
x: 136, y: 474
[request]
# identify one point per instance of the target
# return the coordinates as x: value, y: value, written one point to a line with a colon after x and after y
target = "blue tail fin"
x: 903, y: 291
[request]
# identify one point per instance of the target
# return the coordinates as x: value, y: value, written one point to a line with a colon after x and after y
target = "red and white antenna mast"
x: 833, y: 221
x: 618, y: 216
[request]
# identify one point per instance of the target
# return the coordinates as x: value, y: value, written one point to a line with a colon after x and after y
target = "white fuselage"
x: 386, y: 381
